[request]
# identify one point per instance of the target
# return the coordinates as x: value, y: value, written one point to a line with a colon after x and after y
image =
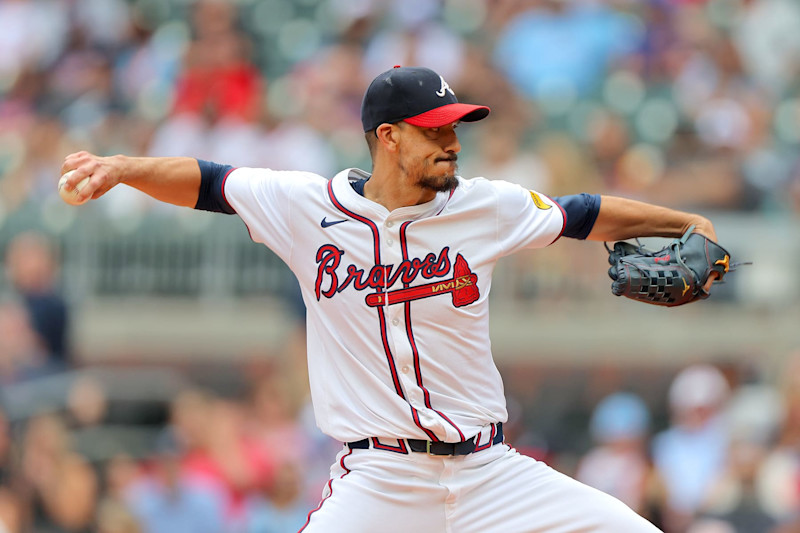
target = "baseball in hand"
x: 71, y: 197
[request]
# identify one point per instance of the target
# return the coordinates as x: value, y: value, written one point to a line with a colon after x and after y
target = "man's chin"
x: 440, y: 183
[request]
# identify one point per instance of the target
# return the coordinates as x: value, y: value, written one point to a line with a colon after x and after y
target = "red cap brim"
x: 447, y: 114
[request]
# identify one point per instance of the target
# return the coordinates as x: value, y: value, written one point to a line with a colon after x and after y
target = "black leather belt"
x: 438, y: 448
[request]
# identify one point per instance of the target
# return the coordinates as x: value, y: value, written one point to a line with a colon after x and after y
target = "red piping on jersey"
x: 563, y: 217
x: 225, y: 179
x: 400, y: 448
x: 488, y: 444
x: 381, y: 315
x: 410, y: 335
x: 330, y: 490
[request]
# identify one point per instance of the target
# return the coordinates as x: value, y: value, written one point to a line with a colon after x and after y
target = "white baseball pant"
x: 494, y: 490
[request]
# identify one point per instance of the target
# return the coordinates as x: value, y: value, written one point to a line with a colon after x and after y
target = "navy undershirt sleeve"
x: 210, y: 197
x: 581, y: 210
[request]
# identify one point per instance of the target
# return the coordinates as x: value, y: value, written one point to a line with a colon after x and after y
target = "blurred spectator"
x: 36, y: 163
x: 619, y: 464
x: 80, y: 86
x: 281, y: 507
x: 692, y: 453
x: 32, y: 34
x: 779, y: 478
x: 229, y: 460
x: 167, y: 499
x: 274, y: 417
x: 416, y: 37
x: 556, y: 51
x: 329, y: 88
x: 710, y: 525
x: 5, y: 449
x: 32, y: 267
x: 115, y: 514
x: 11, y: 510
x: 59, y: 486
x: 503, y: 157
x: 753, y: 415
x: 218, y: 81
x: 113, y: 517
x: 21, y: 355
x: 766, y: 36
x: 86, y: 413
x: 294, y: 144
x: 218, y: 87
x: 106, y: 23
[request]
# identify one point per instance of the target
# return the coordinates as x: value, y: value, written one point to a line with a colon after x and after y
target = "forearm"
x: 175, y: 180
x: 622, y: 218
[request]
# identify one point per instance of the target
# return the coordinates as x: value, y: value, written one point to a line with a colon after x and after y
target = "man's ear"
x: 388, y: 136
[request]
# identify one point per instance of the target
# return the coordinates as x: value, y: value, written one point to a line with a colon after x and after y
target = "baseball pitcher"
x: 395, y: 267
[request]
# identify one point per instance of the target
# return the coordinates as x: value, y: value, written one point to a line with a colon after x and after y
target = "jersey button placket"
x: 389, y: 240
x: 401, y: 348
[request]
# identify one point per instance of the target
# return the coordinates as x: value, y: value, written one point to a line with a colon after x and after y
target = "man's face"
x: 427, y: 156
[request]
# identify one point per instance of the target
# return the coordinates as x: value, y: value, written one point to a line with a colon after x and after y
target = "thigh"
x: 513, y: 492
x: 373, y: 490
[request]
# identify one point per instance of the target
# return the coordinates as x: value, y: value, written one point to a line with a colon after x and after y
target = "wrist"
x: 121, y: 166
x: 703, y: 226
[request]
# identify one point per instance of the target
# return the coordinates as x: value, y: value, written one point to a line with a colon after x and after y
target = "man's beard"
x: 439, y: 183
x: 444, y: 183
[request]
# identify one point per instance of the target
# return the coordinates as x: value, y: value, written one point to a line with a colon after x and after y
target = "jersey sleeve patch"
x: 538, y: 202
x: 526, y: 219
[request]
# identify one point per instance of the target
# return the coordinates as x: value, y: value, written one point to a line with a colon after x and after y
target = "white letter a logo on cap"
x: 445, y: 87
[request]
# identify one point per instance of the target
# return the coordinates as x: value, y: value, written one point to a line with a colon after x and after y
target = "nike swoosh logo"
x: 326, y: 224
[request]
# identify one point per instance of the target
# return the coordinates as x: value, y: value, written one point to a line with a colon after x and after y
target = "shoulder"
x: 484, y: 186
x: 481, y: 184
x: 505, y: 192
x: 289, y: 176
x: 248, y: 182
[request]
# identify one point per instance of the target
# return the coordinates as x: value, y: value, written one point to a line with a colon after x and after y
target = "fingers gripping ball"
x: 674, y: 275
x: 71, y: 197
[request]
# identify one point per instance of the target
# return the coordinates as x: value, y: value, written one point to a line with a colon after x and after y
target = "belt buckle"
x: 428, y: 451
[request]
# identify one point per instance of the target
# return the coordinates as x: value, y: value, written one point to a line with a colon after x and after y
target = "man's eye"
x: 434, y: 130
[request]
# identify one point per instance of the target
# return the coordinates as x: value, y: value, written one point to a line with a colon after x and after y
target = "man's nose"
x: 452, y: 144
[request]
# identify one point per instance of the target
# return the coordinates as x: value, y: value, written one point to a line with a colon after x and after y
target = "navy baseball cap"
x: 416, y: 95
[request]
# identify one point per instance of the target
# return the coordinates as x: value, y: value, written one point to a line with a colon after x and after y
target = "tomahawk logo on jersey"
x: 382, y: 289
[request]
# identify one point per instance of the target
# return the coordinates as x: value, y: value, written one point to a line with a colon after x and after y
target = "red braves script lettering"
x: 378, y: 277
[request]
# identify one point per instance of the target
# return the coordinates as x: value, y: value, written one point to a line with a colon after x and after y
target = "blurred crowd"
x: 693, y: 102
x: 727, y: 462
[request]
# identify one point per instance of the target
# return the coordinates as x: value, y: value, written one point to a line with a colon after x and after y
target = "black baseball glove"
x: 674, y: 275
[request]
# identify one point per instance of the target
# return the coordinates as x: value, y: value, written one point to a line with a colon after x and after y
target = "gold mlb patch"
x: 538, y: 202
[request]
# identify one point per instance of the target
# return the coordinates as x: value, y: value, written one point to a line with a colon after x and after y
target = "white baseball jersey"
x: 397, y: 302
